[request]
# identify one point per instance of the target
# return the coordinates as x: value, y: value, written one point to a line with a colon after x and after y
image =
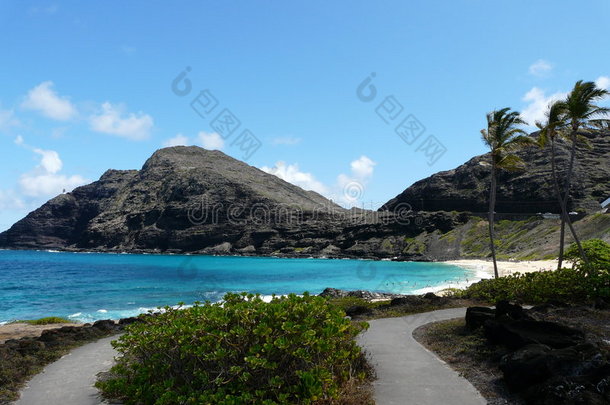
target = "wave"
x: 459, y: 283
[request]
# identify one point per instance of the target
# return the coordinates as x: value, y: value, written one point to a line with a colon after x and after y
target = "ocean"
x: 86, y: 287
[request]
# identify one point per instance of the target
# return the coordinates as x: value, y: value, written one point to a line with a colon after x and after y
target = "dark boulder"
x: 516, y: 334
x: 536, y: 363
x: 105, y: 325
x: 510, y: 311
x: 333, y: 293
x: 129, y: 321
x: 476, y: 316
x: 357, y: 310
x: 410, y: 300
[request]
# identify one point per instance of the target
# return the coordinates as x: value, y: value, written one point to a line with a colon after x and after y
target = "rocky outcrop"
x: 465, y: 188
x: 547, y: 362
x: 188, y: 199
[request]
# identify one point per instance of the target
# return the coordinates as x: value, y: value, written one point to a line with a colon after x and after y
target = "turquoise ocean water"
x: 92, y: 286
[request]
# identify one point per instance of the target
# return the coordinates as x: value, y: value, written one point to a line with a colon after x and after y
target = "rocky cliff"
x: 191, y: 200
x: 465, y: 188
x: 188, y: 199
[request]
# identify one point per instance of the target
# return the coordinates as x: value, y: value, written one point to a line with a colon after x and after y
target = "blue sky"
x: 87, y: 86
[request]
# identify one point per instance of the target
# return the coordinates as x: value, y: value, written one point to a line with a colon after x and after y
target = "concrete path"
x: 69, y: 380
x: 407, y: 373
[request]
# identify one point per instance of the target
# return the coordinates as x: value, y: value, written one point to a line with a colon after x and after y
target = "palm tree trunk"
x: 492, y: 207
x: 561, y: 205
x: 565, y: 217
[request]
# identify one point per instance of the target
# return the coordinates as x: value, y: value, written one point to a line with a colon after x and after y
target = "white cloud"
x: 211, y: 140
x: 538, y: 104
x: 10, y: 201
x: 44, y: 180
x: 286, y: 140
x: 45, y: 100
x: 362, y: 167
x: 348, y: 190
x: 113, y: 120
x: 178, y: 140
x: 48, y: 185
x: 50, y: 161
x: 7, y: 119
x: 540, y: 68
x: 292, y: 174
x: 603, y: 82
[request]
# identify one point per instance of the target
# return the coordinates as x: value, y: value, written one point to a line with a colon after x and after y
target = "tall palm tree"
x: 503, y: 138
x: 581, y: 114
x: 550, y: 130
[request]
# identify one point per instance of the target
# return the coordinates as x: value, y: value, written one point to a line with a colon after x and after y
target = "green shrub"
x: 293, y: 350
x: 579, y: 284
x: 46, y: 321
x: 597, y: 272
x: 533, y: 288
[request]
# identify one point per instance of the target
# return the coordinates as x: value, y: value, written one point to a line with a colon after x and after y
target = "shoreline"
x: 482, y: 269
x: 505, y: 268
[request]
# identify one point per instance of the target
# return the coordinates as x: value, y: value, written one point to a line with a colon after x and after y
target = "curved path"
x: 407, y: 373
x: 69, y: 380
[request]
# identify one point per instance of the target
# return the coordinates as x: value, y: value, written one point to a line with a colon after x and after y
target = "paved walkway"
x: 407, y: 373
x: 69, y: 380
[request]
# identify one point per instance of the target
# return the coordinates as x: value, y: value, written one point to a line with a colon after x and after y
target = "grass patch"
x: 45, y: 321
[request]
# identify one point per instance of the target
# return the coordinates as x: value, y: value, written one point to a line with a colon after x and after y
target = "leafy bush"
x: 533, y: 288
x: 597, y: 271
x: 293, y: 350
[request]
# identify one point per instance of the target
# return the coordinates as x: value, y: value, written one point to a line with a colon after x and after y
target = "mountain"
x: 191, y: 200
x: 466, y: 187
x: 188, y: 199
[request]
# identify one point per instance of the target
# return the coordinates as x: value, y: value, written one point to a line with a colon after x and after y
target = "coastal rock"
x: 516, y: 334
x: 476, y: 316
x: 192, y: 200
x: 465, y: 188
x: 573, y: 375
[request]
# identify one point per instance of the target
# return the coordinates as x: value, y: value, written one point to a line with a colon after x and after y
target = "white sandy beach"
x: 485, y: 269
x: 505, y: 268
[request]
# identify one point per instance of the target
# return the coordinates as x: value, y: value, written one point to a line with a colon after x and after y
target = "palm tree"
x: 503, y: 138
x: 581, y: 114
x: 550, y: 130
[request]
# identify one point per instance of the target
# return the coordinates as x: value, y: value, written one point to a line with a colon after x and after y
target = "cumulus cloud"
x: 292, y: 174
x: 178, y: 140
x: 538, y: 103
x: 45, y: 180
x: 286, y: 140
x: 348, y: 189
x: 45, y: 100
x: 114, y: 120
x: 540, y: 68
x: 603, y: 82
x: 210, y: 140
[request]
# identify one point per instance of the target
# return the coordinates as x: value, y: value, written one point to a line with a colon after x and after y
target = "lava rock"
x: 516, y: 334
x: 357, y: 310
x: 476, y: 316
x: 105, y: 325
